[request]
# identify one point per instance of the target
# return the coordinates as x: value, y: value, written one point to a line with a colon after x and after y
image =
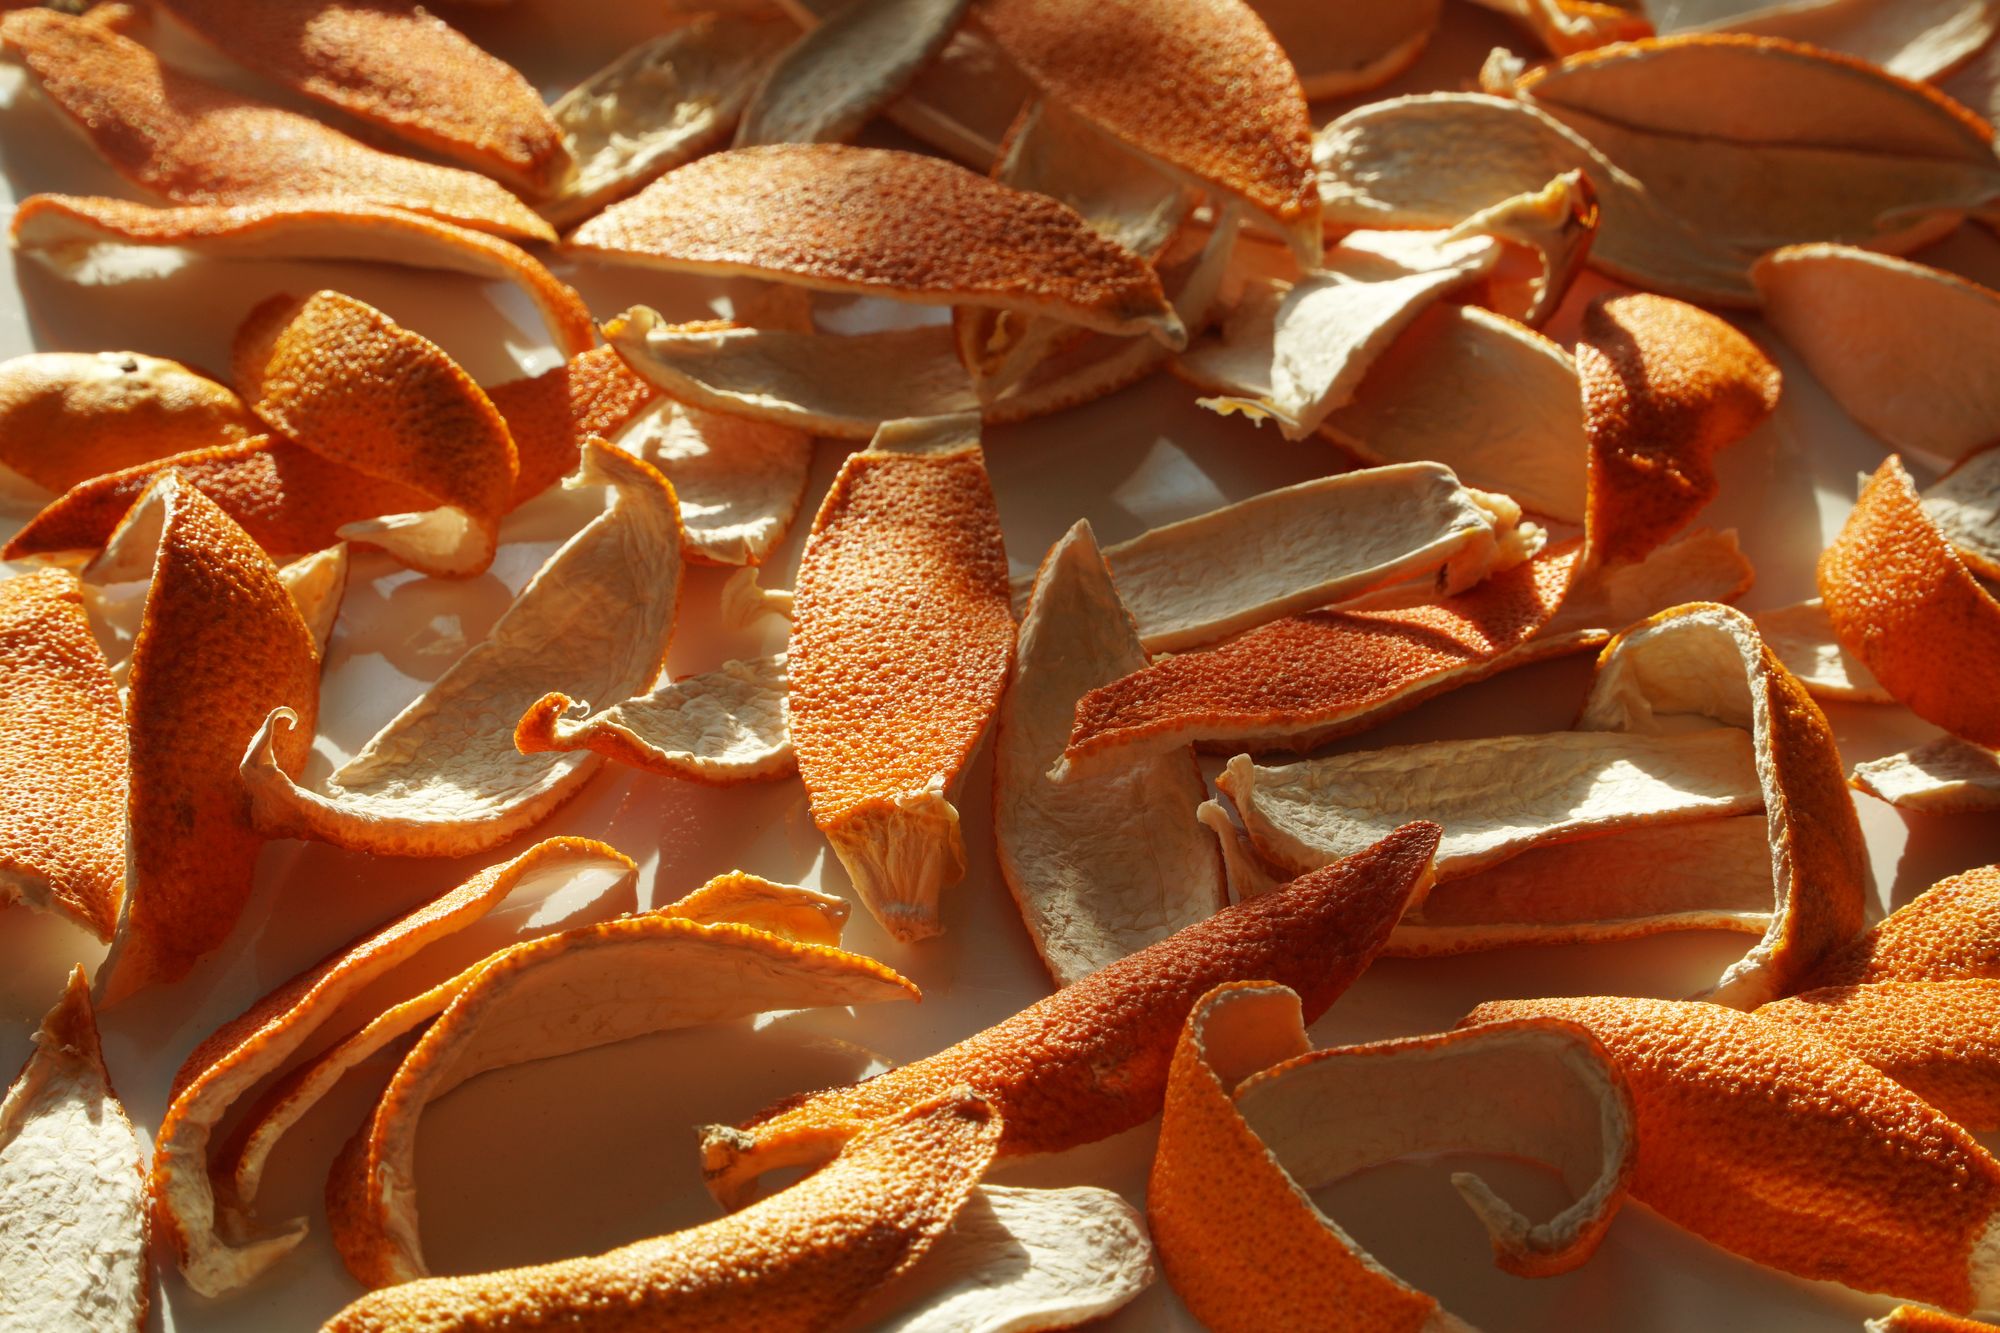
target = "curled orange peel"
x: 1343, y: 51
x: 1255, y: 1118
x: 1949, y: 932
x: 740, y: 482
x: 832, y: 80
x: 1916, y: 1319
x: 552, y: 415
x: 1947, y: 776
x: 803, y: 1258
x: 1091, y: 1060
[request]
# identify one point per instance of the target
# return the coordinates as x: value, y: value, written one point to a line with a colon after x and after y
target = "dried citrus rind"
x: 1965, y: 505
x: 721, y: 727
x: 1916, y: 39
x: 63, y: 756
x: 832, y: 80
x: 220, y: 645
x: 901, y: 639
x: 1091, y: 1060
x: 1876, y: 1189
x: 1255, y: 1118
x: 1099, y: 869
x: 554, y: 996
x: 1948, y: 932
x: 69, y: 416
x: 874, y: 221
x: 1802, y: 637
x: 553, y: 415
x: 69, y: 234
x: 801, y: 1259
x: 1946, y: 777
x: 1916, y: 1319
x: 196, y: 143
x: 739, y: 482
x: 1349, y: 48
x: 317, y: 583
x: 215, y: 1242
x: 1568, y: 26
x: 441, y: 779
x: 73, y: 1242
x: 1902, y: 600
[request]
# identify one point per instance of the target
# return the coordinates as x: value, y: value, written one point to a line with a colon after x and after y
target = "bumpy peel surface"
x: 69, y: 416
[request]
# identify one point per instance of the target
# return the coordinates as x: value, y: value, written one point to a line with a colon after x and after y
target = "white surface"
x: 594, y: 1150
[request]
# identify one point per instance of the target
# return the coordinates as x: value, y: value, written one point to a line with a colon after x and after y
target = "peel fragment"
x: 73, y: 1238
x: 1349, y: 48
x: 832, y: 80
x: 1099, y: 870
x: 195, y: 143
x: 1569, y: 26
x: 1965, y: 505
x: 1916, y: 1319
x: 1091, y: 1060
x: 1802, y: 637
x: 1949, y: 932
x: 1255, y: 1118
x: 1916, y: 39
x: 719, y: 727
x: 1945, y: 777
x: 739, y: 482
x: 1875, y: 1189
x: 441, y: 779
x: 317, y: 583
x: 69, y: 416
x: 552, y: 416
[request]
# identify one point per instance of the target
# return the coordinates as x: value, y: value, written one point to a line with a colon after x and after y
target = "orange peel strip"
x: 69, y: 416
x: 1965, y: 504
x: 195, y: 143
x: 740, y: 482
x: 1946, y: 777
x: 1255, y: 1118
x: 1099, y: 870
x: 1916, y: 39
x: 440, y: 779
x: 63, y: 760
x: 801, y: 1259
x: 396, y: 66
x: 66, y: 232
x: 901, y: 640
x: 552, y: 415
x: 1916, y: 1319
x: 317, y: 584
x: 244, y: 1052
x: 1802, y: 637
x: 1902, y: 600
x: 1949, y: 932
x: 73, y: 1242
x: 1350, y: 49
x: 878, y: 222
x: 719, y: 727
x: 220, y: 645
x: 1091, y: 1060
x: 1875, y: 1189
x: 832, y: 80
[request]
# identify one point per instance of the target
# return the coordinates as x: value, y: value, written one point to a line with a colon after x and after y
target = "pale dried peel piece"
x: 801, y: 915
x: 1099, y: 869
x: 317, y: 584
x: 1248, y: 877
x: 1965, y: 505
x: 744, y: 601
x: 360, y: 391
x: 1875, y: 1188
x: 196, y: 143
x: 553, y: 414
x: 1201, y: 88
x: 800, y: 1259
x: 739, y: 482
x: 719, y: 727
x: 1018, y: 1259
x: 441, y: 779
x: 1255, y: 1118
x: 1568, y: 26
x: 1880, y: 334
x: 551, y: 997
x: 220, y: 645
x: 71, y: 235
x: 831, y: 81
x: 1916, y: 39
x: 1949, y: 931
x: 878, y: 222
x: 74, y: 1234
x: 901, y: 639
x: 1946, y: 777
x: 1556, y: 222
x: 1342, y: 49
x: 1802, y: 637
x: 63, y: 756
x: 69, y: 416
x: 215, y: 1242
x: 1916, y: 1319
x: 663, y: 103
x: 1091, y: 1060
x: 1902, y: 601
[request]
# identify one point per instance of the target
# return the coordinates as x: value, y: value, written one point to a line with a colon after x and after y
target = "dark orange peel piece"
x: 68, y: 416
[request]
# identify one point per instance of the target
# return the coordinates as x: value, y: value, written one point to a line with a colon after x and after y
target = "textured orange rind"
x: 68, y: 416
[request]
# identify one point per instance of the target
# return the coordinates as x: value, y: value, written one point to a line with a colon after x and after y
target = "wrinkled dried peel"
x: 1946, y: 777
x: 829, y: 82
x: 739, y: 482
x: 722, y: 727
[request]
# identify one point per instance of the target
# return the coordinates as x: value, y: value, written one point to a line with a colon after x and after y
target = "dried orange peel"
x: 830, y: 81
x: 1091, y: 1060
x: 901, y: 639
x: 73, y: 1240
x: 440, y: 779
x: 552, y: 415
x: 740, y: 482
x: 1352, y: 48
x: 1255, y: 1118
x: 196, y: 143
x: 1099, y: 870
x: 1946, y: 777
x: 1566, y: 27
x: 803, y: 1258
x: 1965, y: 503
x: 69, y: 416
x: 1916, y: 1319
x: 1949, y: 932
x: 1919, y: 40
x: 64, y: 758
x: 1802, y: 637
x: 1876, y: 1188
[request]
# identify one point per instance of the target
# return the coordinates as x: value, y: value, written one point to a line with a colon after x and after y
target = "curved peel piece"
x: 1916, y: 1319
x: 1346, y: 49
x: 1916, y: 39
x: 901, y: 639
x: 1565, y: 27
x: 1802, y: 637
x: 1946, y: 777
x: 1948, y: 932
x: 1965, y: 504
x: 73, y: 1240
x: 1099, y: 869
x: 317, y: 583
x: 196, y: 143
x: 553, y: 415
x: 721, y: 727
x: 1091, y: 1060
x: 829, y: 82
x: 441, y: 779
x: 68, y: 416
x: 739, y: 482
x: 64, y: 759
x: 803, y: 1258
x: 1254, y: 1119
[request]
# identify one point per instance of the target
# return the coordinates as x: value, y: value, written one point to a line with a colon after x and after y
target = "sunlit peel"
x: 739, y: 482
x: 1350, y: 48
x: 68, y: 416
x: 720, y: 727
x: 831, y: 81
x: 1565, y: 27
x: 1557, y: 223
x: 1965, y: 505
x: 1948, y: 932
x: 1916, y: 39
x: 318, y: 583
x: 1917, y: 1319
x: 1948, y: 776
x: 552, y: 415
x: 1802, y: 637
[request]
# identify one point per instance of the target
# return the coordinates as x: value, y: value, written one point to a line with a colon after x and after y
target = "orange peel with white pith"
x: 1566, y: 27
x: 1916, y: 1319
x: 832, y: 80
x: 194, y: 142
x: 1947, y: 776
x: 553, y: 415
x: 1091, y: 1060
x: 740, y: 482
x: 1255, y: 1118
x: 804, y: 1258
x: 1349, y: 48
x: 65, y: 233
x: 1875, y: 1188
